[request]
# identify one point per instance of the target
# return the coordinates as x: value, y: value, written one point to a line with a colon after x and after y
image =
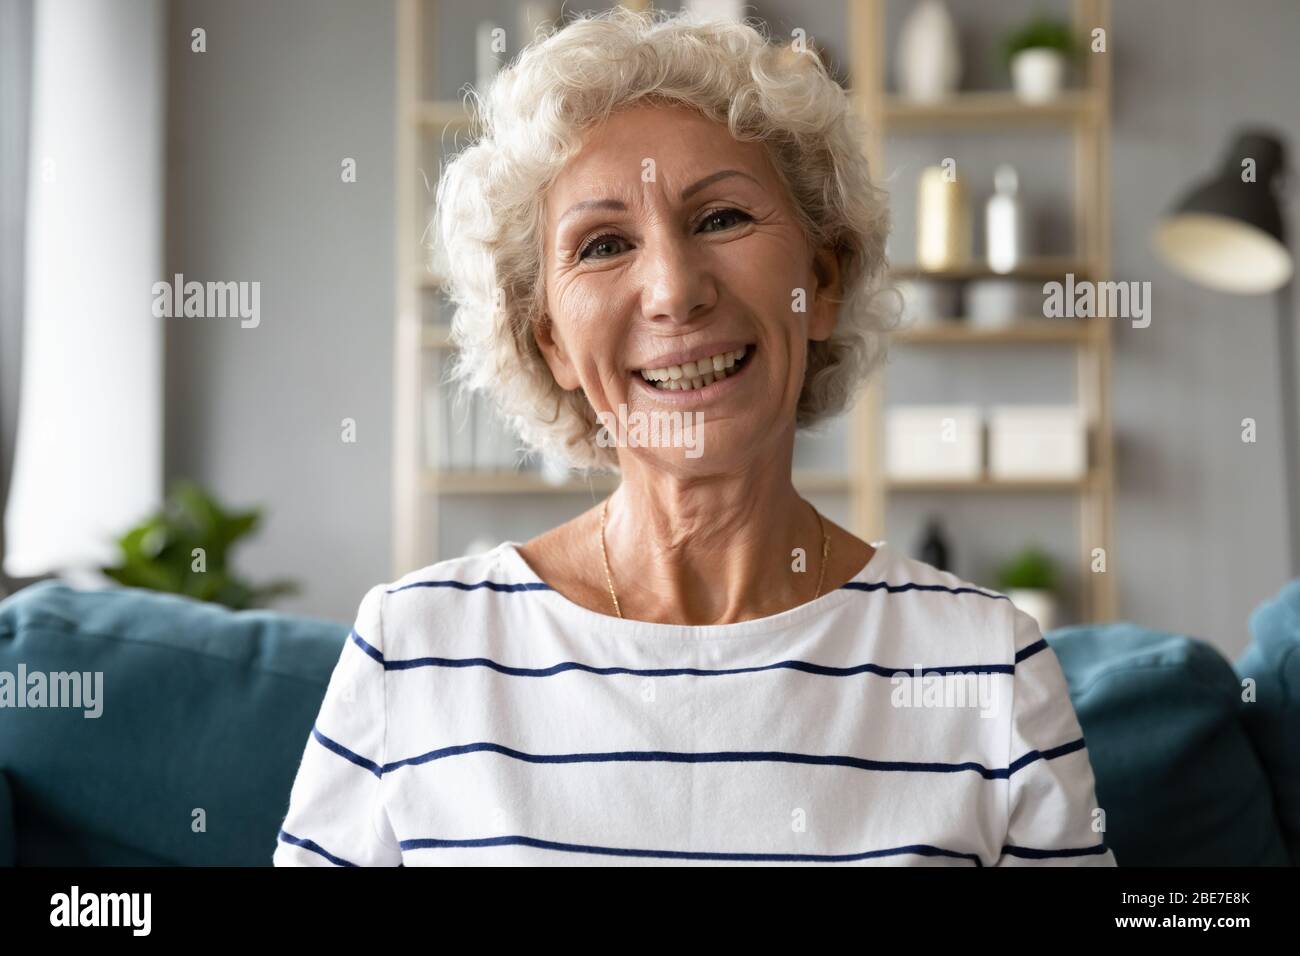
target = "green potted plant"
x: 1037, y: 55
x: 184, y: 549
x: 1029, y: 579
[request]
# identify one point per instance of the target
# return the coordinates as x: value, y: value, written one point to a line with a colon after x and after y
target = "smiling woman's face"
x: 666, y: 240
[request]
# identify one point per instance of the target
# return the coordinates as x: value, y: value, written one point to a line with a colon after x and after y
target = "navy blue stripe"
x: 370, y: 649
x: 920, y: 849
x: 724, y: 756
x: 850, y: 586
x: 1032, y: 853
x: 808, y: 668
x: 1031, y: 650
x: 315, y: 848
x: 461, y: 585
x: 346, y: 754
x: 804, y: 666
x: 1033, y: 755
x: 899, y: 588
x: 720, y: 756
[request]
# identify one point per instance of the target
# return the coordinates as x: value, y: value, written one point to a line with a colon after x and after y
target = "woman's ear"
x: 825, y: 310
x: 554, y: 352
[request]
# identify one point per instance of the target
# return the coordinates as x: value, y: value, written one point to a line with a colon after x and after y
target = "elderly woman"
x: 675, y: 221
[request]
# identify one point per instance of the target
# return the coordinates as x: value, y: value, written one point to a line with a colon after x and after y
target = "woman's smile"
x: 697, y: 383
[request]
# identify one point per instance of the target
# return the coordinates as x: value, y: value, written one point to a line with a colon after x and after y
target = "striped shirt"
x: 476, y: 716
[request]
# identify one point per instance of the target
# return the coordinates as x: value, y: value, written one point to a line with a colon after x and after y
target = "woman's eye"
x: 597, y: 243
x: 610, y: 239
x: 724, y: 214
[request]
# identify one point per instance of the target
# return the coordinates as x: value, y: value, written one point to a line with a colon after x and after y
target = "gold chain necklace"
x: 609, y: 577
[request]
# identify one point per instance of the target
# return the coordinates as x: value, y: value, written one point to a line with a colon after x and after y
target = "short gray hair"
x: 488, y: 220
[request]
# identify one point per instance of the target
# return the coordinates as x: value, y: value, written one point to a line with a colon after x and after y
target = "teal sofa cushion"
x: 1175, y: 771
x: 205, y: 713
x: 1273, y: 718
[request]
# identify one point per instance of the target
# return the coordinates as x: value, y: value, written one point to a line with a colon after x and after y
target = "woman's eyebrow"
x: 687, y: 193
x: 691, y: 190
x: 576, y: 208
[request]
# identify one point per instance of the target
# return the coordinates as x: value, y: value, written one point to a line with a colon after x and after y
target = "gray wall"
x: 260, y: 122
x: 1201, y: 521
x: 259, y: 125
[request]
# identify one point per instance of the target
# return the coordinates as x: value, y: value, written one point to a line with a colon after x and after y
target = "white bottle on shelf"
x: 1004, y: 222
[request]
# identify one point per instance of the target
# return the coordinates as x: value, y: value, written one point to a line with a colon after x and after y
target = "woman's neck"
x: 715, y: 550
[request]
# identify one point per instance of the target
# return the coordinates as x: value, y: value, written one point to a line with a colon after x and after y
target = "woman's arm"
x: 1052, y: 816
x: 336, y: 815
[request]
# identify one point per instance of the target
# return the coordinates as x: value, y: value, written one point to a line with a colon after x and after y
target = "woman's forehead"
x: 671, y: 147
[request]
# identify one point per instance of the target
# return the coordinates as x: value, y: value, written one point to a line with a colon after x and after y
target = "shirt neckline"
x: 508, y: 551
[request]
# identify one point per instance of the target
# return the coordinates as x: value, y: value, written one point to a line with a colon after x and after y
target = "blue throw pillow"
x: 1273, y: 718
x: 1175, y: 771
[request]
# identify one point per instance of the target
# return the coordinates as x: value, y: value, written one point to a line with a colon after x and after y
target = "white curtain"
x: 89, y: 447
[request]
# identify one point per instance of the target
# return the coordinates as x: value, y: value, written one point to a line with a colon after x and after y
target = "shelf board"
x: 989, y: 484
x: 1042, y: 267
x: 527, y: 482
x: 989, y: 107
x: 960, y: 332
x: 441, y: 113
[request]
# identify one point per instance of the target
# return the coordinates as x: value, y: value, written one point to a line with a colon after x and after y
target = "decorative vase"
x: 1038, y: 74
x: 1038, y: 604
x: 929, y: 55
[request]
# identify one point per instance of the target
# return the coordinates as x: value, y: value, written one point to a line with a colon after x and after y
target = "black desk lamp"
x: 1227, y: 234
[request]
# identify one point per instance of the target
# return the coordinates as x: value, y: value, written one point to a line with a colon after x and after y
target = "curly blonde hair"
x: 488, y: 229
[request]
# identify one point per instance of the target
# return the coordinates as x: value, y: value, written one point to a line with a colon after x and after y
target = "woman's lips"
x: 719, y: 388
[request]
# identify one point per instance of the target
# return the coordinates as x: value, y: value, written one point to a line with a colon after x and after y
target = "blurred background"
x: 1137, y: 465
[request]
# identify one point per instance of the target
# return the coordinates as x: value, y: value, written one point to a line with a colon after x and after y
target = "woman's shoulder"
x: 448, y: 580
x: 479, y: 568
x: 904, y: 572
x: 946, y: 606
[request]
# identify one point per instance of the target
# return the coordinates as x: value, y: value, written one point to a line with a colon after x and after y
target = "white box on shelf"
x: 1037, y: 441
x: 935, y: 442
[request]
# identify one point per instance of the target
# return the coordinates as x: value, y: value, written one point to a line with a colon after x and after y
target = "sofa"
x: 204, y: 713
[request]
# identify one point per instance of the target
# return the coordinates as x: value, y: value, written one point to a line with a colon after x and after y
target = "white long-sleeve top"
x: 477, y: 716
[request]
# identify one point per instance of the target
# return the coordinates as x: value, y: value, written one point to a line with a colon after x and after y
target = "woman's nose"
x: 677, y: 280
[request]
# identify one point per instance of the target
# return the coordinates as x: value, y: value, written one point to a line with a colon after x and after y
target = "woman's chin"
x: 681, y: 443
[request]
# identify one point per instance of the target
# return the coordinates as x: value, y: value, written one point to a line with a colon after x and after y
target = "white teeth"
x: 697, y: 374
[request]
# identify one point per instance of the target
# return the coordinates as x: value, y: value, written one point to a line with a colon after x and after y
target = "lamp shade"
x: 1227, y: 232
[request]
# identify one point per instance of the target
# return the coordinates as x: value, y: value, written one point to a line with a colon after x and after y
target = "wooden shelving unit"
x: 1042, y: 267
x: 983, y: 108
x: 1085, y: 114
x: 959, y: 332
x: 418, y: 490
